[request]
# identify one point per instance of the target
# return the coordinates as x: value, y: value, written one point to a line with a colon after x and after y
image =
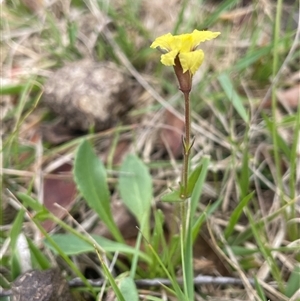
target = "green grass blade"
x: 265, y: 251
x: 179, y: 294
x: 259, y: 290
x: 197, y: 189
x: 233, y: 96
x: 39, y: 260
x: 110, y: 278
x: 234, y: 217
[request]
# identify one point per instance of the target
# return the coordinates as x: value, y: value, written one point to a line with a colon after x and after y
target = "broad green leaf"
x: 233, y: 96
x: 128, y: 289
x: 90, y: 177
x: 135, y: 185
x: 73, y: 245
x: 235, y: 215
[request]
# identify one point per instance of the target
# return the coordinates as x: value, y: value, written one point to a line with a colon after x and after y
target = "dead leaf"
x: 58, y: 188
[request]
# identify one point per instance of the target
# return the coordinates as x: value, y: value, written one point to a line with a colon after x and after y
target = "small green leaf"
x: 43, y: 215
x: 90, y: 177
x: 193, y: 179
x: 233, y: 96
x: 293, y: 282
x: 135, y: 185
x: 128, y: 289
x: 173, y: 196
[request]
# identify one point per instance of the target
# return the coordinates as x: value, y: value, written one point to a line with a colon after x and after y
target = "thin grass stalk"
x: 274, y: 100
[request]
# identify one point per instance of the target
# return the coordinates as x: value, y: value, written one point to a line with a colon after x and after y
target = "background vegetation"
x: 245, y: 120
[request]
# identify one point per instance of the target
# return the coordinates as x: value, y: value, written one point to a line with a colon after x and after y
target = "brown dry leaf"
x: 171, y: 135
x: 290, y: 97
x: 58, y: 189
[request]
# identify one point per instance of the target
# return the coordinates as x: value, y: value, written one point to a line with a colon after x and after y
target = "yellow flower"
x: 183, y: 48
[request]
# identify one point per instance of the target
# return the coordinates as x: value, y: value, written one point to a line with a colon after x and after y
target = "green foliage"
x: 236, y: 214
x: 293, y: 283
x: 233, y: 96
x: 39, y: 260
x: 74, y: 245
x: 110, y: 278
x: 90, y: 177
x: 135, y: 186
x: 233, y: 136
x: 128, y: 289
x: 259, y: 290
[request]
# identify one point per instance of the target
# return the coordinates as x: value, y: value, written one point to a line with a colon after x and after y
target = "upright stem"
x: 185, y: 168
x: 186, y: 144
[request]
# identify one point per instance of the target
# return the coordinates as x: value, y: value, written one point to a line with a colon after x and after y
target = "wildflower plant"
x: 181, y: 52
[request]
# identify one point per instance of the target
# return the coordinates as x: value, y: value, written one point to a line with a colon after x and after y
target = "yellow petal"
x: 186, y: 42
x: 191, y: 60
x: 168, y: 58
x: 166, y: 42
x: 201, y: 36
